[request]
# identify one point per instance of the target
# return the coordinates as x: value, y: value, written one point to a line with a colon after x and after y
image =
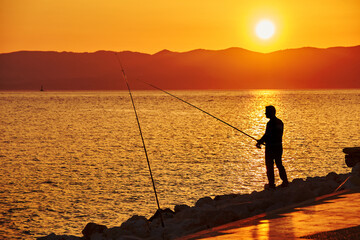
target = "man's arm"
x: 263, y: 138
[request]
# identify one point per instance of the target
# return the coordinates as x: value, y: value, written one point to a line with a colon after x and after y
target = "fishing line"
x: 142, y: 138
x: 198, y: 109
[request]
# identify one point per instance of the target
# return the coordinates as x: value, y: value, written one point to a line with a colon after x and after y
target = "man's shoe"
x: 270, y: 187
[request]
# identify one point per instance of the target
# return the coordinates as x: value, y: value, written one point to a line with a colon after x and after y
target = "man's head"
x: 270, y: 111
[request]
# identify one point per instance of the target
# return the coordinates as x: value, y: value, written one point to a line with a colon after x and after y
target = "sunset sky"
x: 151, y: 26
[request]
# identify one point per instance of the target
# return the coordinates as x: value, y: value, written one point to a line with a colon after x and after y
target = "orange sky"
x: 178, y: 25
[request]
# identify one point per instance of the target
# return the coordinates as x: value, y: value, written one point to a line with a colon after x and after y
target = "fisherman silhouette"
x: 273, y: 147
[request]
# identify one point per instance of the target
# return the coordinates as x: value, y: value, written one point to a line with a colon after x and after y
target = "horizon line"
x: 171, y: 51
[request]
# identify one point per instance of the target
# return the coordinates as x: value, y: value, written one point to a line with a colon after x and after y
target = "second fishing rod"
x: 142, y: 138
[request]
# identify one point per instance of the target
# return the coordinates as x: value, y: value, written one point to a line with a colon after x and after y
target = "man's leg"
x: 269, y: 162
x: 282, y: 171
x: 279, y: 165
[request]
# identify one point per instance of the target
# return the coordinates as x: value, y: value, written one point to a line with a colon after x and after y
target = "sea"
x: 70, y: 158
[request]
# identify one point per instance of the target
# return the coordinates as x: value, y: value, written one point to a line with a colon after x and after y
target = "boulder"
x: 352, y: 151
x: 302, y: 194
x: 188, y: 213
x: 164, y: 213
x: 298, y: 181
x: 180, y: 208
x: 227, y: 197
x: 222, y: 217
x: 355, y: 181
x: 352, y: 156
x: 53, y: 236
x: 137, y: 225
x: 204, y: 201
x: 356, y: 169
x: 91, y: 229
x: 351, y: 160
x: 240, y: 210
x: 332, y: 176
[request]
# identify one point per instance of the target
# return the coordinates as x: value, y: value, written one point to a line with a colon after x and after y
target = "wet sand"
x: 333, y: 216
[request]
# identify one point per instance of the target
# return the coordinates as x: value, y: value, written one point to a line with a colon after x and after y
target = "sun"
x: 265, y: 29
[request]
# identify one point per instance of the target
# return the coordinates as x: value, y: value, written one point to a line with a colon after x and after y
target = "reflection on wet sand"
x: 321, y: 217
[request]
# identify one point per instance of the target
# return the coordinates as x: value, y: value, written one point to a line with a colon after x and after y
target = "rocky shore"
x: 210, y: 212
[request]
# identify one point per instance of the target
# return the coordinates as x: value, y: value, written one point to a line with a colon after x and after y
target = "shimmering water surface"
x: 69, y: 158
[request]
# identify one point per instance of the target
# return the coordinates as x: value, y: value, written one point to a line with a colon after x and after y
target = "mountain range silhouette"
x: 233, y: 68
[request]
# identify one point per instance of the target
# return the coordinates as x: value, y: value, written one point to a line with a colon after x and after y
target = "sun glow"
x: 265, y: 29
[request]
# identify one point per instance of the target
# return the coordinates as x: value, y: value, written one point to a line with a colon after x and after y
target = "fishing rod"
x: 151, y: 85
x: 142, y: 138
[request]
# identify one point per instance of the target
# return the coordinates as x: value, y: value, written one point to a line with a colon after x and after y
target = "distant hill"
x: 233, y: 68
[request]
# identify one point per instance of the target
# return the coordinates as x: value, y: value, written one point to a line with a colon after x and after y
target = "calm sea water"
x: 69, y: 158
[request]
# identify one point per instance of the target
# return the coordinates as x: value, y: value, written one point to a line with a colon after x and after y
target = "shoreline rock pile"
x: 210, y: 212
x: 352, y: 159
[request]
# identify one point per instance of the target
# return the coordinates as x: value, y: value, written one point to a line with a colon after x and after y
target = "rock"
x: 91, y: 229
x: 137, y: 225
x: 53, y: 236
x: 319, y: 191
x: 223, y: 217
x: 188, y: 213
x: 298, y: 181
x: 333, y: 184
x: 302, y: 194
x: 355, y: 181
x: 275, y: 206
x: 259, y: 195
x: 180, y: 208
x: 242, y: 198
x: 204, y: 201
x: 164, y: 213
x: 351, y: 161
x: 331, y: 176
x: 225, y: 197
x: 281, y: 195
x: 352, y: 150
x: 240, y: 210
x: 342, y: 178
x: 116, y: 233
x: 356, y: 169
x: 352, y: 157
x: 207, y: 217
